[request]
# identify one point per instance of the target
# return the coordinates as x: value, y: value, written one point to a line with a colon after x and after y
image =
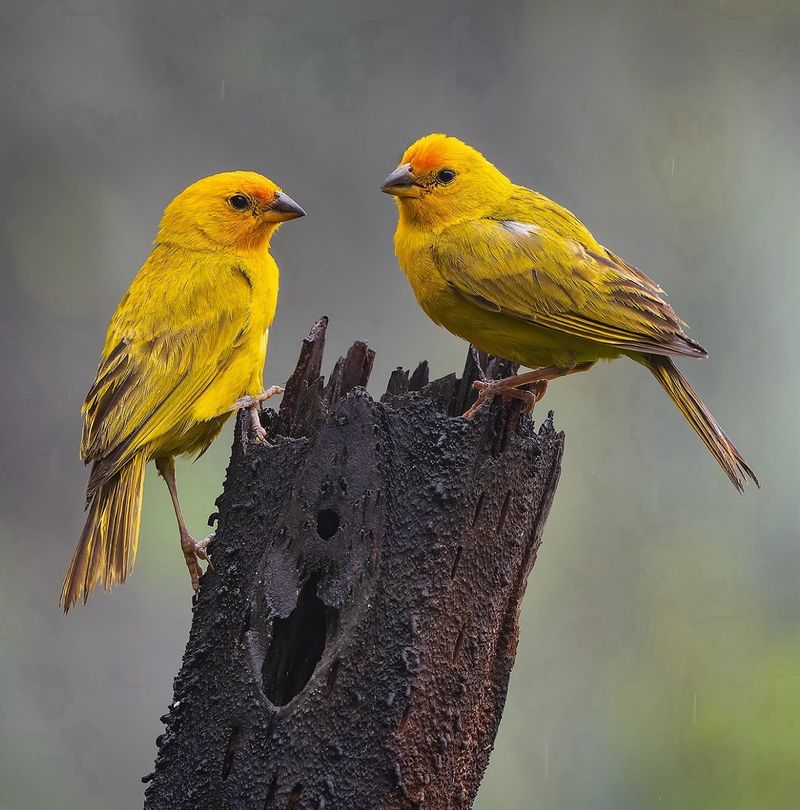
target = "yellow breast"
x: 243, y: 373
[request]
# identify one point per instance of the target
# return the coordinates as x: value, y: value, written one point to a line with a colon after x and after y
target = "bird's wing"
x: 168, y: 341
x: 556, y: 276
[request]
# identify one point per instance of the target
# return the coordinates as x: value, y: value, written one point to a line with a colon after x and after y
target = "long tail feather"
x: 106, y: 549
x: 700, y: 418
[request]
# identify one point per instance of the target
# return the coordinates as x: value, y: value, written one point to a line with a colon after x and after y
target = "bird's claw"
x: 249, y: 402
x: 202, y: 545
x: 256, y: 428
x: 253, y: 406
x: 194, y: 550
x: 490, y: 389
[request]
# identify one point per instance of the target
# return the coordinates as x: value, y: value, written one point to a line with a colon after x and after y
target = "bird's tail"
x: 107, y: 547
x: 700, y: 418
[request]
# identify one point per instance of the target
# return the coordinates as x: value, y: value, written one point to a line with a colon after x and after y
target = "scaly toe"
x: 202, y: 545
x: 529, y: 404
x: 251, y: 402
x: 259, y: 434
x: 485, y: 395
x: 489, y: 390
x: 195, y: 571
x: 272, y: 391
x: 201, y: 549
x: 244, y: 402
x: 192, y: 550
x: 527, y: 397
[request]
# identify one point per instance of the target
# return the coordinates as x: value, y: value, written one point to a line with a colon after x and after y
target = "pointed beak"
x: 282, y: 209
x: 402, y: 183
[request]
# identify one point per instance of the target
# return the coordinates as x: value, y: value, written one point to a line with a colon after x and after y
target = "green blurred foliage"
x: 711, y: 721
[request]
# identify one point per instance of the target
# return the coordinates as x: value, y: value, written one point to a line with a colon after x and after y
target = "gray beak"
x: 283, y: 208
x: 402, y: 183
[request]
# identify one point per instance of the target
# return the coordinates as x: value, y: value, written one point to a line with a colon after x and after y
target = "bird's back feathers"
x: 533, y: 260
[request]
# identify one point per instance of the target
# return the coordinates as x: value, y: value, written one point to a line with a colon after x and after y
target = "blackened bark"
x: 352, y: 646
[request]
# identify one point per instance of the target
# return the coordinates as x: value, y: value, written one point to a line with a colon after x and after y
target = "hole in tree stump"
x: 327, y: 523
x: 296, y: 646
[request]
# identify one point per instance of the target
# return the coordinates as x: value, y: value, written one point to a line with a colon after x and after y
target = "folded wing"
x: 156, y: 362
x: 559, y: 278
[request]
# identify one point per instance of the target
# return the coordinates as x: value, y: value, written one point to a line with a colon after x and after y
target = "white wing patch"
x: 523, y: 229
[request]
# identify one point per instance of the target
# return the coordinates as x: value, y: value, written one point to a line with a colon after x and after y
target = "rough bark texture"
x: 352, y: 646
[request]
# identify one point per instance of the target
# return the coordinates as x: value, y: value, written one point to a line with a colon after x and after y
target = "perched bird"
x: 520, y: 277
x: 185, y: 348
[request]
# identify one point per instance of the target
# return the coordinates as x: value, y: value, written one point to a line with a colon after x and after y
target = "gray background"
x: 660, y: 656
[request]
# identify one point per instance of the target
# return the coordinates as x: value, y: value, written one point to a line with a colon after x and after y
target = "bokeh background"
x: 659, y: 664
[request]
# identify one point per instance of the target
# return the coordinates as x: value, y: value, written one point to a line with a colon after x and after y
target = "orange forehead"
x: 220, y: 185
x: 434, y: 151
x: 257, y: 187
x: 260, y: 193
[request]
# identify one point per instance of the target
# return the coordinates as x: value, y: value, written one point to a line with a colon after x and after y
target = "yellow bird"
x: 520, y: 277
x: 185, y: 348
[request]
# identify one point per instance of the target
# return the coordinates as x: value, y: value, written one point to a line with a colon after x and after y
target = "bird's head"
x: 236, y: 211
x: 441, y: 181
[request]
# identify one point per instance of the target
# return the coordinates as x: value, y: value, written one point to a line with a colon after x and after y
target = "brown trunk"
x: 352, y: 646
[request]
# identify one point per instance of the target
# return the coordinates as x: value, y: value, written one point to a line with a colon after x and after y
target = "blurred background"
x: 659, y: 664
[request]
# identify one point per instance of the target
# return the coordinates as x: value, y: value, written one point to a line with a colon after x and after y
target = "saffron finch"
x: 520, y: 277
x: 185, y: 348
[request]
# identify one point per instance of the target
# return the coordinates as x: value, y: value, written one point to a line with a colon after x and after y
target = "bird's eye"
x: 239, y: 202
x: 446, y: 176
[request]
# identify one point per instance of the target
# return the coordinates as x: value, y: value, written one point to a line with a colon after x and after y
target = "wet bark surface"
x: 352, y: 646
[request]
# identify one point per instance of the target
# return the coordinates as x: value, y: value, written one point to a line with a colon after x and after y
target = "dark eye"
x: 446, y: 176
x: 239, y: 202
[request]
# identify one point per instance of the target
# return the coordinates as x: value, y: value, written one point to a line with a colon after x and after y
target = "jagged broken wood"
x: 352, y: 646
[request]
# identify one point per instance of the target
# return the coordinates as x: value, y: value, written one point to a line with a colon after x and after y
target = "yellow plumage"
x: 521, y: 277
x: 187, y: 341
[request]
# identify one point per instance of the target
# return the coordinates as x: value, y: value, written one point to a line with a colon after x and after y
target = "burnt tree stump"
x: 352, y: 646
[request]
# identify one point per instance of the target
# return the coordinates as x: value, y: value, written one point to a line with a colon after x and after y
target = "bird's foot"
x: 193, y: 552
x: 256, y: 428
x: 250, y: 402
x: 490, y: 389
x: 253, y: 406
